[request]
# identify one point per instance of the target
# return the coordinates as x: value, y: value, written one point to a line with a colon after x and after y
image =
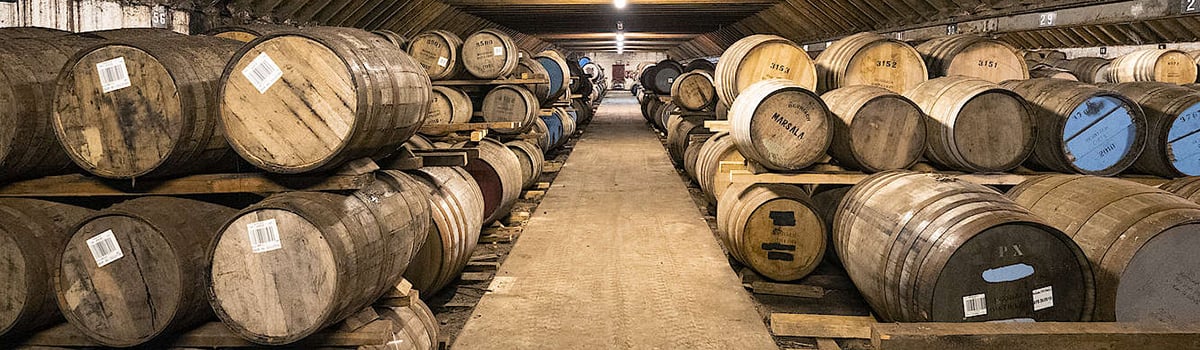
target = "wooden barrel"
x: 1082, y: 129
x: 1140, y: 241
x: 532, y: 160
x: 875, y: 129
x: 1092, y: 70
x: 528, y: 68
x: 870, y: 59
x: 644, y: 77
x: 663, y: 76
x: 761, y: 57
x: 924, y: 247
x: 314, y: 99
x: 448, y: 105
x: 718, y: 148
x: 722, y: 111
x: 694, y: 91
x: 413, y: 326
x: 10, y: 33
x: 772, y: 228
x: 1052, y: 73
x: 583, y: 110
x: 701, y: 64
x: 962, y: 133
x: 558, y: 72
x: 246, y: 32
x: 692, y: 153
x: 594, y: 72
x: 569, y: 126
x: 346, y: 251
x: 497, y: 171
x: 1042, y: 55
x: 1164, y: 66
x: 418, y: 142
x: 457, y: 212
x: 438, y: 52
x: 392, y: 37
x: 679, y: 135
x: 1186, y: 187
x: 826, y: 199
x: 1173, y: 119
x: 662, y: 115
x: 580, y: 84
x: 648, y: 107
x: 28, y: 147
x: 549, y: 127
x: 33, y: 234
x: 510, y: 103
x: 489, y: 54
x: 144, y: 108
x: 781, y: 125
x: 973, y: 56
x: 135, y: 271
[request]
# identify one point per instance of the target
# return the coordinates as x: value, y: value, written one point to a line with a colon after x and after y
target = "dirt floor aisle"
x: 616, y: 257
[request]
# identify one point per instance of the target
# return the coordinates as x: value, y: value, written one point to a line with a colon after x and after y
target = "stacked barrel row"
x: 1157, y: 65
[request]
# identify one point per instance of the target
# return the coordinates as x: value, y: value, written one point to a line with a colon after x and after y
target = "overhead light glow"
x: 620, y: 37
x: 620, y: 3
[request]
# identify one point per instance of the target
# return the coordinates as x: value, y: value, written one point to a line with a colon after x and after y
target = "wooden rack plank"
x: 490, y: 82
x: 1031, y: 335
x: 821, y: 326
x: 448, y: 128
x: 87, y: 186
x: 717, y: 125
x: 217, y: 335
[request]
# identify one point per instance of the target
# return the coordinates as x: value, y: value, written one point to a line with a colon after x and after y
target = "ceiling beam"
x: 613, y: 35
x: 604, y: 2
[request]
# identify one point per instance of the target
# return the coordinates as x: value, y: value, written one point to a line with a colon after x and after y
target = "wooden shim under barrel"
x: 1140, y: 241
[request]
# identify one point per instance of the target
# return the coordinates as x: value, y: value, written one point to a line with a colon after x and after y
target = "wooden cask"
x: 457, y: 213
x: 973, y: 56
x: 392, y: 37
x: 510, y: 103
x: 418, y: 142
x: 246, y: 32
x: 489, y: 54
x: 497, y: 171
x: 144, y: 108
x: 826, y: 199
x: 1092, y: 70
x: 558, y: 72
x: 580, y: 85
x: 438, y: 52
x: 718, y: 148
x: 663, y: 114
x: 33, y: 234
x: 870, y: 59
x: 1164, y: 66
x: 528, y: 68
x: 679, y: 135
x: 1081, y: 128
x: 448, y: 105
x: 344, y: 250
x: 1173, y: 119
x: 1042, y: 55
x: 10, y: 33
x: 1186, y: 187
x: 645, y: 77
x: 312, y: 100
x: 962, y: 130
x: 781, y: 125
x: 414, y: 326
x: 28, y: 147
x: 691, y: 154
x: 663, y: 75
x: 930, y: 248
x: 875, y: 129
x: 648, y: 107
x: 772, y: 228
x: 594, y: 72
x: 694, y: 91
x: 135, y: 272
x: 569, y: 126
x: 722, y: 111
x: 1052, y: 73
x: 1140, y: 241
x: 583, y: 111
x: 762, y: 57
x: 549, y: 129
x: 700, y: 64
x: 531, y: 158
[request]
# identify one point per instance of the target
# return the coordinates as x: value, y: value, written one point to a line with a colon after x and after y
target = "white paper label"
x: 264, y: 236
x: 105, y: 248
x: 502, y: 284
x: 1043, y: 298
x: 262, y: 72
x: 113, y: 74
x: 975, y: 305
x: 442, y: 61
x: 497, y: 51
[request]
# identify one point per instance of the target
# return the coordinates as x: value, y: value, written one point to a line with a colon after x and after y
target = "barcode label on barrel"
x: 105, y: 248
x: 264, y: 236
x: 975, y: 305
x: 113, y: 74
x: 262, y: 72
x: 442, y: 61
x: 497, y: 51
x: 1043, y: 298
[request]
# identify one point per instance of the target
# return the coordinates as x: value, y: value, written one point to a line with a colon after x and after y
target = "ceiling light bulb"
x: 620, y: 36
x: 619, y: 3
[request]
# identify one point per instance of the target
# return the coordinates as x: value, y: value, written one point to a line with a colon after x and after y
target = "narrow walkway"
x: 616, y: 257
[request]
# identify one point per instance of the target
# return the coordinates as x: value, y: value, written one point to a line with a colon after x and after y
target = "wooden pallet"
x: 828, y: 174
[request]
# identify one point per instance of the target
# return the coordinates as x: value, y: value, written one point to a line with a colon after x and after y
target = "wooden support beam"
x: 821, y: 326
x: 489, y: 82
x: 87, y: 186
x: 1031, y: 335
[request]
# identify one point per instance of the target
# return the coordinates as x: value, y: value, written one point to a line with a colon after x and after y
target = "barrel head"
x: 982, y: 143
x: 1162, y: 281
x: 16, y: 276
x: 783, y: 239
x: 1183, y: 141
x: 1100, y: 133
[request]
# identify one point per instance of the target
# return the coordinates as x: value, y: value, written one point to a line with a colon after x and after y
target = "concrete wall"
x: 631, y: 61
x: 89, y: 15
x: 1112, y: 52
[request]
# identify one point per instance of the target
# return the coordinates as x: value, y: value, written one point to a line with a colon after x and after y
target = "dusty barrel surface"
x: 762, y: 57
x: 773, y: 228
x: 1052, y: 73
x: 875, y: 129
x: 1186, y: 187
x: 694, y: 91
x: 781, y: 125
x: 558, y: 72
x: 870, y: 59
x: 312, y: 100
x: 456, y: 204
x: 1082, y: 129
x: 568, y: 119
x: 246, y: 32
x: 1141, y: 242
x: 973, y: 56
x: 701, y: 64
x: 144, y: 107
x: 33, y: 234
x: 1093, y: 70
x: 679, y: 136
x: 392, y: 37
x: 437, y: 51
x: 718, y: 148
x: 414, y: 327
x: 448, y: 105
x: 489, y: 54
x: 1165, y: 66
x: 510, y: 103
x: 662, y: 77
x: 346, y: 251
x: 923, y: 247
x: 497, y: 171
x: 961, y: 130
x: 528, y: 68
x: 135, y: 271
x: 10, y: 33
x: 1173, y: 119
x: 532, y: 160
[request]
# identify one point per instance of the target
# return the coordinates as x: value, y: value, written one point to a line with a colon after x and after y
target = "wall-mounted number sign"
x: 1047, y: 19
x: 1189, y: 6
x: 160, y: 17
